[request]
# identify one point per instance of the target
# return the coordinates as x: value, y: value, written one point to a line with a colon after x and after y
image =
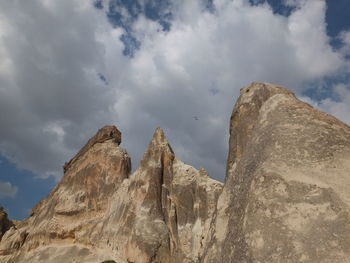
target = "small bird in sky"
x: 196, y: 118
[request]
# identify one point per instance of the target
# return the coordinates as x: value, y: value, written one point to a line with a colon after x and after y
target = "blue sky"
x: 27, y: 189
x: 67, y: 68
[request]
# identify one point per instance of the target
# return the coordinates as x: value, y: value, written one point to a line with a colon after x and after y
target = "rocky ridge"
x: 285, y: 196
x: 99, y: 210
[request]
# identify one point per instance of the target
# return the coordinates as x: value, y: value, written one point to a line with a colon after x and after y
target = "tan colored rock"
x: 285, y: 199
x: 286, y: 196
x: 103, y: 134
x: 176, y: 209
x: 100, y: 211
x: 74, y: 211
x: 5, y: 223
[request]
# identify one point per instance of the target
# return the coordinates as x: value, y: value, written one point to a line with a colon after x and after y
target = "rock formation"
x: 285, y: 197
x: 5, y: 223
x: 104, y: 134
x: 99, y: 210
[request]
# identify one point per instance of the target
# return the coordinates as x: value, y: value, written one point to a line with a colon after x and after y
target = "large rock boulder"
x: 286, y: 196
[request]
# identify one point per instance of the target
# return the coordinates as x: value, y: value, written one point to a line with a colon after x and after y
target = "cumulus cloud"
x: 338, y: 106
x: 7, y: 189
x: 63, y: 74
x: 50, y: 93
x: 344, y: 37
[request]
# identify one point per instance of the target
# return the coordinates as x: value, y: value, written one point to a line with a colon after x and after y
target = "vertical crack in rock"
x: 169, y: 180
x: 100, y: 211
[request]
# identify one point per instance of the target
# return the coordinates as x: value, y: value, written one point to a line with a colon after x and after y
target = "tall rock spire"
x: 160, y: 213
x: 286, y: 195
x: 285, y: 199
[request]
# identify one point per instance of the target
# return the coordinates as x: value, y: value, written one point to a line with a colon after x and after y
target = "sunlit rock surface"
x: 285, y: 198
x: 99, y: 210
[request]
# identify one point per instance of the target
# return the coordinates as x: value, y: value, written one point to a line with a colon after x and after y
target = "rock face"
x: 286, y: 196
x: 176, y: 209
x: 104, y: 134
x: 69, y: 220
x: 99, y: 210
x: 5, y: 223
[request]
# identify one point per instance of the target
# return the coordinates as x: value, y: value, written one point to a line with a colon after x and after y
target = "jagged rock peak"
x: 102, y: 135
x: 158, y: 151
x: 78, y: 209
x: 161, y: 213
x: 159, y: 139
x: 285, y: 199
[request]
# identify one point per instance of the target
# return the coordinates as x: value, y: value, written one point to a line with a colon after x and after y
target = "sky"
x: 69, y: 67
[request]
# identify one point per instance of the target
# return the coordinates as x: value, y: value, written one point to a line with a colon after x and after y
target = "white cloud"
x: 7, y: 190
x: 54, y: 52
x: 51, y: 53
x: 307, y: 31
x: 344, y: 36
x: 339, y: 108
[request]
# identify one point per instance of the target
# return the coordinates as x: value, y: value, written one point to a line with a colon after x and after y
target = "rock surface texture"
x: 286, y: 195
x: 285, y: 198
x: 100, y: 211
x: 5, y: 223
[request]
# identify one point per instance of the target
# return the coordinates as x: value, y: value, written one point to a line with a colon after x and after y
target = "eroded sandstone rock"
x: 286, y: 196
x: 100, y: 210
x: 285, y: 199
x: 103, y: 134
x: 75, y: 210
x: 5, y: 223
x: 177, y: 206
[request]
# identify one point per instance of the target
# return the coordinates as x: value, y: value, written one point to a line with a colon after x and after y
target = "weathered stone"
x: 286, y: 196
x: 99, y: 210
x: 103, y: 134
x: 5, y: 223
x: 76, y: 209
x: 175, y: 214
